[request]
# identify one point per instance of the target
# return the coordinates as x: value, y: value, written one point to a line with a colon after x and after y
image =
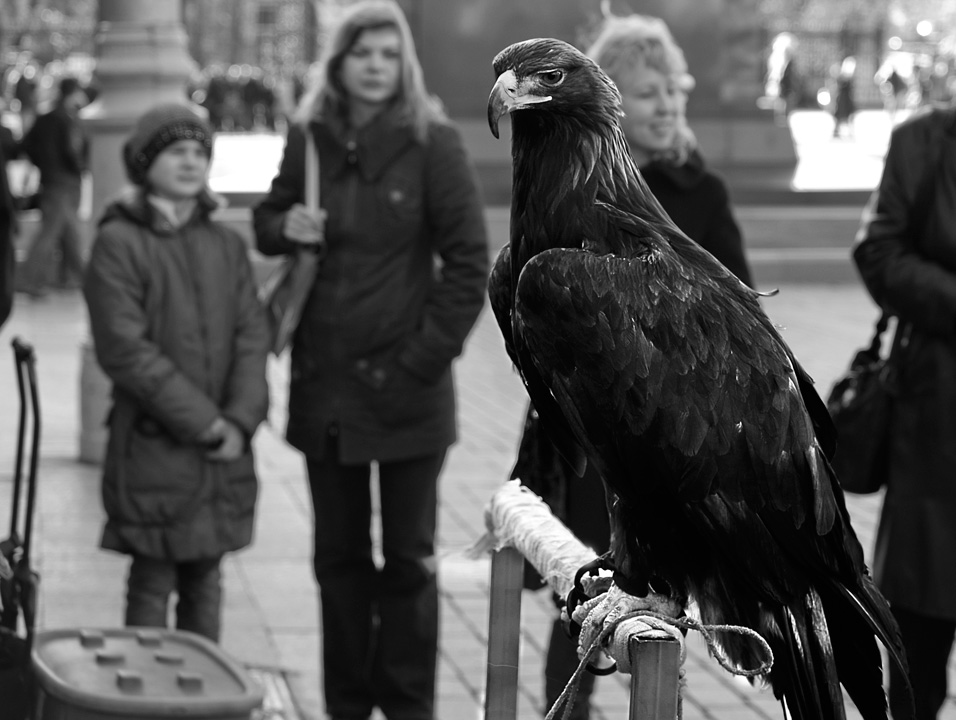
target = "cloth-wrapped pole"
x: 517, y: 517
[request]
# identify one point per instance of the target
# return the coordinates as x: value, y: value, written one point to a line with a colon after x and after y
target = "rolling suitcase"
x: 19, y: 583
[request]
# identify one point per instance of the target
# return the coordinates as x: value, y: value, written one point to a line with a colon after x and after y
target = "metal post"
x: 504, y: 627
x: 655, y: 675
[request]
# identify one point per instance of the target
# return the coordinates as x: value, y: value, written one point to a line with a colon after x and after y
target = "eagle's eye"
x: 552, y: 77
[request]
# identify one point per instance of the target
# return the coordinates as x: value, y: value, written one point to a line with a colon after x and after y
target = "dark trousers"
x: 379, y: 625
x: 561, y: 662
x: 59, y: 231
x: 197, y: 585
x: 928, y: 642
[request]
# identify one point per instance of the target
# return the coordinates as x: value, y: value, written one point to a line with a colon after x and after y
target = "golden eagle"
x: 646, y: 357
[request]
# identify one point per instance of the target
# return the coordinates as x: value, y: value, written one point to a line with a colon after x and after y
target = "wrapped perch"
x: 520, y: 524
x: 516, y: 517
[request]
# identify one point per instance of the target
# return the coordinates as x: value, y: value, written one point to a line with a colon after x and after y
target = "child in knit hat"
x: 178, y: 329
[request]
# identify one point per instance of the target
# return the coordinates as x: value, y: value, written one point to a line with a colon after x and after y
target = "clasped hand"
x: 224, y: 439
x: 304, y: 226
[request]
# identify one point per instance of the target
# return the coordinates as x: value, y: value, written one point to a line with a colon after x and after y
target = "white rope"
x: 517, y: 517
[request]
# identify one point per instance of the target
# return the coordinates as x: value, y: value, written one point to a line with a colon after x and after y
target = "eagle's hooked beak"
x: 509, y: 95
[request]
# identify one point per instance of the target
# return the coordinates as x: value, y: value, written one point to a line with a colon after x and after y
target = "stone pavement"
x: 271, y: 610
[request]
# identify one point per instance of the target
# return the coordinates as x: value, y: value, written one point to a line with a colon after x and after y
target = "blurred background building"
x: 272, y: 42
x: 252, y: 58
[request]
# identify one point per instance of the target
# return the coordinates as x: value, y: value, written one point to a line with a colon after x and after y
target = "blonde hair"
x: 625, y: 42
x: 327, y: 95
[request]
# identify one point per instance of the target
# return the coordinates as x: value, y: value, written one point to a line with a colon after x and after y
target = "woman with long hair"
x: 401, y: 284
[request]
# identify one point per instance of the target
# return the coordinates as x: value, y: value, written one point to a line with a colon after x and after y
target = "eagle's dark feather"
x: 643, y: 354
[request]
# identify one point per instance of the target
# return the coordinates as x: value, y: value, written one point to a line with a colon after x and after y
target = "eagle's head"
x: 549, y: 74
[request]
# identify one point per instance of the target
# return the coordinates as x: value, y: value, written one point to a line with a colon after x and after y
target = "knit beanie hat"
x: 158, y: 128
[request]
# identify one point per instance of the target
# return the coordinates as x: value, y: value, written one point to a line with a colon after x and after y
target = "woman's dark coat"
x: 698, y: 202
x: 399, y: 289
x: 178, y: 329
x: 915, y: 278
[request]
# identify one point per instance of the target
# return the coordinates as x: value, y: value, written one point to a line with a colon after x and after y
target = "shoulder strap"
x: 311, y: 171
x: 881, y: 325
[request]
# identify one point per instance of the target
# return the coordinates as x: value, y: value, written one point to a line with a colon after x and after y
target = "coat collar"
x: 132, y: 203
x: 375, y: 146
x: 685, y: 176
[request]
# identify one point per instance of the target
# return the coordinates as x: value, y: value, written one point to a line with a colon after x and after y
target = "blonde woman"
x: 371, y: 376
x: 640, y: 55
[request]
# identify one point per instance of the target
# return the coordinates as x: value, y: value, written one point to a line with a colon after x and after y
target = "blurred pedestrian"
x: 178, y: 329
x: 25, y: 94
x: 8, y: 222
x: 913, y: 277
x: 401, y: 285
x: 924, y: 72
x: 217, y: 87
x: 844, y: 102
x: 59, y: 146
x: 641, y: 56
x: 894, y: 87
x: 784, y: 84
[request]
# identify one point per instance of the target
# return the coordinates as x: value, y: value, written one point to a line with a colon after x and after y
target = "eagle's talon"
x: 578, y: 594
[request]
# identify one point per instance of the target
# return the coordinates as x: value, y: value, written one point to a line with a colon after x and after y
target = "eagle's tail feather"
x: 804, y: 673
x: 858, y: 615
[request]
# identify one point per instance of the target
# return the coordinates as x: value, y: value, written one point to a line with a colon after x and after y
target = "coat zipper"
x: 194, y: 276
x: 351, y: 188
x: 350, y: 211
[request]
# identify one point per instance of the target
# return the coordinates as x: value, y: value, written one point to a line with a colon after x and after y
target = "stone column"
x: 141, y: 59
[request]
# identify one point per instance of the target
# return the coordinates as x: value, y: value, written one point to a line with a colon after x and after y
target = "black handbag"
x: 860, y: 405
x: 285, y: 291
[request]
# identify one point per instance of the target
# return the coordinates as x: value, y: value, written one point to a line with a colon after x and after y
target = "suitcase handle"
x: 25, y: 364
x: 22, y: 350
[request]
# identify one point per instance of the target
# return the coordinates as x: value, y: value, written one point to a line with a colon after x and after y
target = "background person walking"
x: 844, y: 100
x: 9, y: 148
x: 58, y: 145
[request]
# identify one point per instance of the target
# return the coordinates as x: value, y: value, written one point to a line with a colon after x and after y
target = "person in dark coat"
x: 59, y: 146
x: 914, y: 278
x: 178, y: 328
x: 8, y: 224
x: 844, y: 102
x: 698, y: 201
x: 639, y: 54
x: 401, y: 284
